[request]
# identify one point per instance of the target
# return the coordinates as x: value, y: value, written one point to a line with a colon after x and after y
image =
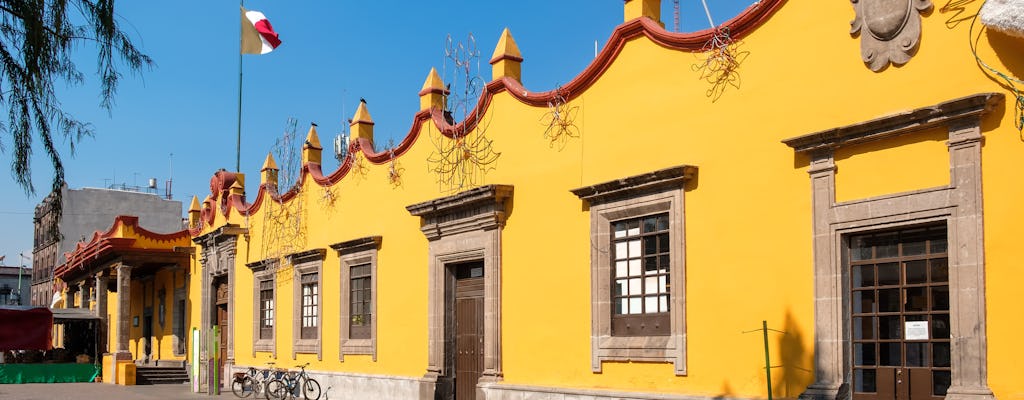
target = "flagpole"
x: 238, y: 143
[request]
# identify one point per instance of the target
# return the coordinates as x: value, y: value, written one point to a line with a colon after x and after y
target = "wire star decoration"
x: 560, y: 120
x: 720, y: 59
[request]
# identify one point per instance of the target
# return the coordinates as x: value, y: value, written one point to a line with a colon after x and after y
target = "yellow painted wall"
x: 748, y: 220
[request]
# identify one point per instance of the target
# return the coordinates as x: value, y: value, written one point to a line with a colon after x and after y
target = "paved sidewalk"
x: 101, y: 391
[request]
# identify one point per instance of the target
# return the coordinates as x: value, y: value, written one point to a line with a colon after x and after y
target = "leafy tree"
x: 37, y: 39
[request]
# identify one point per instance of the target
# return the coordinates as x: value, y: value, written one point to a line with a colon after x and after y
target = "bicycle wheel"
x: 243, y: 388
x: 311, y: 389
x: 276, y: 390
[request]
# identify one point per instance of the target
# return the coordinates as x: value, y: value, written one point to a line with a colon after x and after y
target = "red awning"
x: 25, y: 328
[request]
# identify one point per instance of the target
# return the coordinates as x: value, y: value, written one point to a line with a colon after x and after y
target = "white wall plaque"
x: 916, y: 330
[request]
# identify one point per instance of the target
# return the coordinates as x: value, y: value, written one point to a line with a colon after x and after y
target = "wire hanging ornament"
x: 395, y: 169
x: 560, y: 120
x: 462, y: 158
x: 282, y: 228
x: 720, y: 59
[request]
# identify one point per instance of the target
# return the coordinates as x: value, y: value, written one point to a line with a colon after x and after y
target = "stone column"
x: 969, y: 346
x: 124, y: 317
x: 83, y: 294
x: 828, y: 366
x: 101, y: 310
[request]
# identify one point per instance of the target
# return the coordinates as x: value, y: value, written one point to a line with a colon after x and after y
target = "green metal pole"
x: 767, y: 361
x: 20, y: 268
x: 238, y: 143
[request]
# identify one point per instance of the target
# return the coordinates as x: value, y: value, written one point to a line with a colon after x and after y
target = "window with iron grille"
x: 638, y: 267
x: 640, y: 276
x: 267, y: 309
x: 310, y: 309
x: 359, y: 298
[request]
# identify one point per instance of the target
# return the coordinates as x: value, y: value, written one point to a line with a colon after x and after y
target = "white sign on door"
x: 916, y: 330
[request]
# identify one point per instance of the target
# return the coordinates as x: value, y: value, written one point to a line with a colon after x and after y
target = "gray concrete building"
x: 14, y: 285
x: 85, y: 211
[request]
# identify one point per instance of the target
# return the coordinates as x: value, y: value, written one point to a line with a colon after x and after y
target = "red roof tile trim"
x: 739, y: 27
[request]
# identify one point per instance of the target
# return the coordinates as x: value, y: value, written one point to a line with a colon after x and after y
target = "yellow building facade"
x: 855, y: 191
x: 134, y: 281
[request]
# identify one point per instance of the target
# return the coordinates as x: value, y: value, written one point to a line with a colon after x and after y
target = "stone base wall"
x: 499, y: 391
x: 340, y: 385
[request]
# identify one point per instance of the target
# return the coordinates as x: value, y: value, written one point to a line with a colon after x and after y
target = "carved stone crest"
x: 889, y: 30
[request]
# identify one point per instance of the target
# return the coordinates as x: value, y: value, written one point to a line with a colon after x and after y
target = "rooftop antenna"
x: 675, y: 13
x: 170, y: 175
x: 341, y: 141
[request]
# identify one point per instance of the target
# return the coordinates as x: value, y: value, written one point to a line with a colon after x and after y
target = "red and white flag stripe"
x: 258, y: 36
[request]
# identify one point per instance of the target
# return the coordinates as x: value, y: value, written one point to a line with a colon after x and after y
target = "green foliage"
x: 37, y: 38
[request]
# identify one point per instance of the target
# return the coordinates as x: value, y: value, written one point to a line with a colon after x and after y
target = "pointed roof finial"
x: 194, y: 207
x: 312, y: 140
x: 506, y: 48
x: 432, y: 83
x: 269, y: 163
x: 362, y: 114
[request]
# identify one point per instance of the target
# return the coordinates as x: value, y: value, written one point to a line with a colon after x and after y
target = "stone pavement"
x: 101, y: 391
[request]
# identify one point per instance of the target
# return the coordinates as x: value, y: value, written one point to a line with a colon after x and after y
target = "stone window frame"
x: 958, y: 205
x: 263, y: 270
x: 307, y: 262
x: 465, y: 226
x: 353, y: 253
x: 651, y: 193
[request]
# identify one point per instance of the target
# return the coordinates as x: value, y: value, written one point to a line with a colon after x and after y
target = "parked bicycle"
x: 252, y: 381
x: 293, y: 385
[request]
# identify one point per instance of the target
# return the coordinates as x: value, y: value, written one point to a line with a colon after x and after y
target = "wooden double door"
x: 467, y: 333
x: 900, y: 326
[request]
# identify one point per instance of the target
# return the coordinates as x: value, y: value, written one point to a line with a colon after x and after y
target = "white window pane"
x: 634, y: 231
x: 622, y: 287
x: 620, y: 269
x: 651, y: 285
x: 634, y: 286
x: 634, y: 248
x: 634, y: 306
x: 620, y: 251
x: 651, y: 303
x: 664, y: 303
x: 620, y: 231
x: 662, y: 281
x: 634, y: 267
x: 316, y: 289
x: 623, y: 306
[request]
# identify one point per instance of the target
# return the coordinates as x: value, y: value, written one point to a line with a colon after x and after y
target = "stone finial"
x: 362, y: 124
x: 268, y: 174
x: 193, y: 212
x: 311, y: 149
x: 506, y: 60
x: 642, y: 8
x: 237, y: 188
x: 433, y: 93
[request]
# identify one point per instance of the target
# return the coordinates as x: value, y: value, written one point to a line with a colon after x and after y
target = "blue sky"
x: 178, y: 120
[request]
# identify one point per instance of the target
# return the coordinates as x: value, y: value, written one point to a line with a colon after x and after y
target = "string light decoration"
x: 395, y: 169
x: 560, y: 120
x: 720, y: 58
x: 283, y: 230
x: 462, y: 157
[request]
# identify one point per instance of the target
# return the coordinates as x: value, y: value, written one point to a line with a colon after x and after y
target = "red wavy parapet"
x: 738, y: 27
x: 103, y: 243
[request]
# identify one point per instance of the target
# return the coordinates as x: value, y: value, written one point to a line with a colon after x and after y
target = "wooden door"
x: 899, y: 291
x: 223, y: 294
x: 469, y: 328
